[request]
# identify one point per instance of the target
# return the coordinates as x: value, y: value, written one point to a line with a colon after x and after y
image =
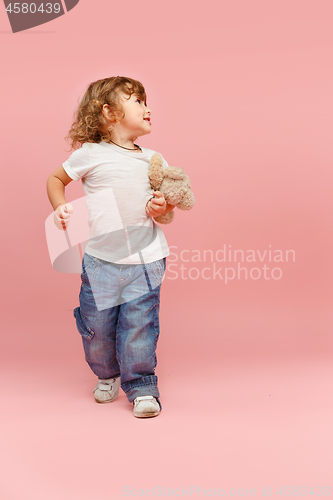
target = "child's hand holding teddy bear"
x: 158, y: 206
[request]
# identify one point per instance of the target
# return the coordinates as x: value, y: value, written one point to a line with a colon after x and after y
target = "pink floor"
x: 230, y: 423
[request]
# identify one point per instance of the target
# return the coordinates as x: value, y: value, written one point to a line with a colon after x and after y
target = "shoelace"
x: 106, y: 386
x: 144, y: 398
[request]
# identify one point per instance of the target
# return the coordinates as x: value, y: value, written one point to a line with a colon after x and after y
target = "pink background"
x: 241, y: 98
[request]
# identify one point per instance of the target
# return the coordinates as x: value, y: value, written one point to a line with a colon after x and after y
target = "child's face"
x: 136, y: 121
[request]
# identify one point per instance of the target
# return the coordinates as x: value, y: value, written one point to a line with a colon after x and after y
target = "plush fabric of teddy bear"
x: 173, y: 183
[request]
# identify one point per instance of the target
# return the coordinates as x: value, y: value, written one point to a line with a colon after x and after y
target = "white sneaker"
x: 107, y: 390
x: 145, y: 406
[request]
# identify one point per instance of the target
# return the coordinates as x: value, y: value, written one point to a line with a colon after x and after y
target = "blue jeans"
x: 118, y: 320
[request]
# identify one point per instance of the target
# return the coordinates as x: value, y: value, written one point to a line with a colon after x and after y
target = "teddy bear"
x: 173, y: 183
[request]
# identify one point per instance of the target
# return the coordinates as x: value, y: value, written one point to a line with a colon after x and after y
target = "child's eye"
x: 138, y: 100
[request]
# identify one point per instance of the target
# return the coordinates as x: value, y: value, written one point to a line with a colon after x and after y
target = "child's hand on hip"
x: 62, y: 215
x: 156, y: 206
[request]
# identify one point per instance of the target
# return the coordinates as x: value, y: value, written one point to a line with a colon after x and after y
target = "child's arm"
x: 158, y: 206
x: 55, y: 186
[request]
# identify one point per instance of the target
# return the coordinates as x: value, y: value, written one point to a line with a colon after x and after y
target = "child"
x: 125, y: 258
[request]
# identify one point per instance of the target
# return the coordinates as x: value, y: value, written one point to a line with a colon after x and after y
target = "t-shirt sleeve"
x: 165, y: 164
x: 78, y: 164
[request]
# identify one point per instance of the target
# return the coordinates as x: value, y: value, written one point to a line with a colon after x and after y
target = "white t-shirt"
x: 117, y: 189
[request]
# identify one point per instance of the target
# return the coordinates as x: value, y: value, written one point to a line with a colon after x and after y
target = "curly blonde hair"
x: 89, y: 123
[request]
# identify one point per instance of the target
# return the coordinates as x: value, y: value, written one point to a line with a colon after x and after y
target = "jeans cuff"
x: 144, y: 386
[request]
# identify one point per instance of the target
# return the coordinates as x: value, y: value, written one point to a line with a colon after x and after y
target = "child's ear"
x: 109, y: 114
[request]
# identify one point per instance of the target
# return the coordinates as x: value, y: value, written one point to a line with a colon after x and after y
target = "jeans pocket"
x: 156, y: 272
x: 89, y: 267
x: 83, y: 329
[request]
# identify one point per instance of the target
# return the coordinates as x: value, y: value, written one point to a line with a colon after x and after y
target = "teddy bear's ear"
x: 156, y: 160
x: 155, y: 172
